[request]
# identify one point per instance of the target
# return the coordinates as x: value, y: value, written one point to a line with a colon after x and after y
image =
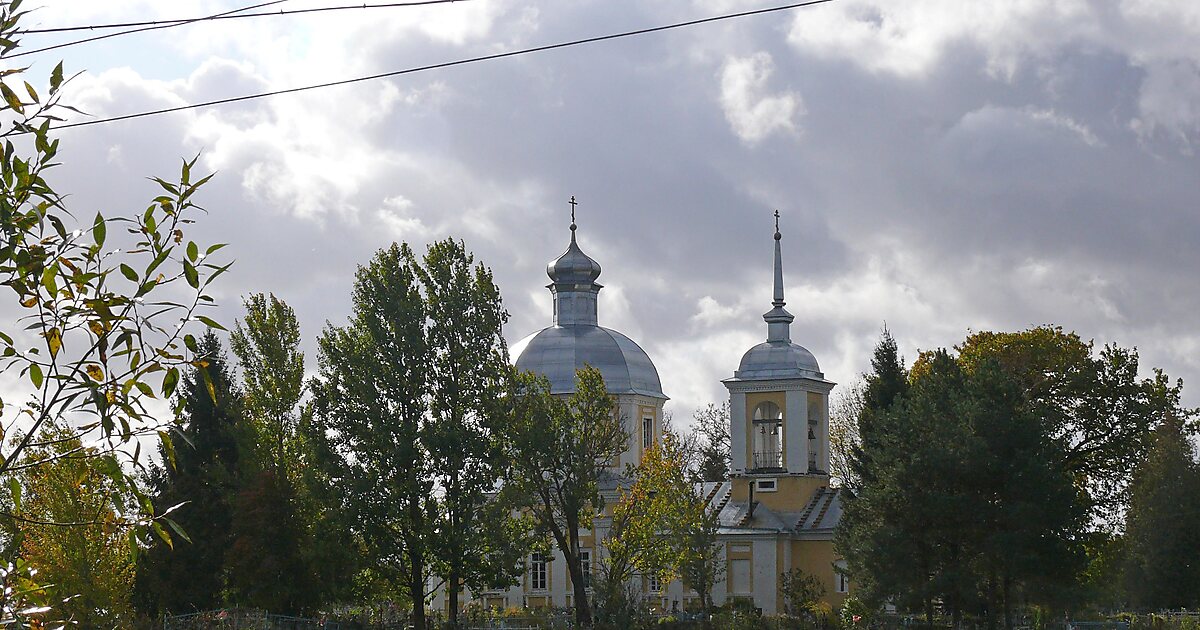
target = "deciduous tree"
x: 370, y: 403
x: 560, y: 451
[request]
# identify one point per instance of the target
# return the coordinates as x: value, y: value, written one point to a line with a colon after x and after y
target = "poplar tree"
x: 477, y: 544
x: 370, y: 405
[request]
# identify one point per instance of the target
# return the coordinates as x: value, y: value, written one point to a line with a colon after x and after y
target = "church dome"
x: 576, y: 340
x: 778, y: 357
x: 574, y: 266
x: 773, y: 359
x: 558, y: 352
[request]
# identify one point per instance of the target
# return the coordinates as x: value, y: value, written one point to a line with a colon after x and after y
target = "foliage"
x: 992, y: 515
x: 801, y: 592
x: 560, y: 451
x: 1162, y: 527
x: 712, y: 425
x: 267, y: 345
x: 847, y: 407
x: 477, y: 543
x: 71, y: 535
x: 370, y: 417
x: 201, y: 476
x: 1094, y: 405
x: 96, y: 338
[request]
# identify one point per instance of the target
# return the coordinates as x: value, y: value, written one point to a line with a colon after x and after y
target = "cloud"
x: 751, y: 113
x: 964, y: 166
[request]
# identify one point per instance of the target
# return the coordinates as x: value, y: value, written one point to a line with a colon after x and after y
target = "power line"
x: 447, y: 64
x: 176, y: 22
x: 148, y: 28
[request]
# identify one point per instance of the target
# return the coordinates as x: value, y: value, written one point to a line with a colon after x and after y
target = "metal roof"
x: 558, y: 352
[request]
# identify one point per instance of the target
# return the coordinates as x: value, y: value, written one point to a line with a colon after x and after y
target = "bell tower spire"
x: 779, y: 321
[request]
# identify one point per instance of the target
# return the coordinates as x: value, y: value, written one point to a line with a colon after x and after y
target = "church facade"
x: 777, y: 509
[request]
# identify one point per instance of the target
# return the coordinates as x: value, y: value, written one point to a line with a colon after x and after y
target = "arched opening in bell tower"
x: 768, y: 436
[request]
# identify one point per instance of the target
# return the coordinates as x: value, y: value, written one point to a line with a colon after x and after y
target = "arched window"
x: 768, y: 436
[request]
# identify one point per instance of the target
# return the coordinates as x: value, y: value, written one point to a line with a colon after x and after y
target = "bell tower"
x: 779, y: 413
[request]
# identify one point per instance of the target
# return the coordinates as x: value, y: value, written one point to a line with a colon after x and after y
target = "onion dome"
x: 574, y: 266
x: 576, y: 339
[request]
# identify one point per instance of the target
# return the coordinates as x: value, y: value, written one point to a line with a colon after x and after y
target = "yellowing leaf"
x: 95, y: 372
x: 29, y: 302
x: 54, y: 340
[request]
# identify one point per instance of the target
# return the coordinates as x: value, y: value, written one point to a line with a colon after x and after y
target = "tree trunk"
x: 583, y: 608
x: 1008, y: 620
x: 452, y: 597
x: 416, y: 585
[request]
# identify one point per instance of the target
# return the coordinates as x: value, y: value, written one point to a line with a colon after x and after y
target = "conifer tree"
x: 1162, y: 528
x: 200, y: 476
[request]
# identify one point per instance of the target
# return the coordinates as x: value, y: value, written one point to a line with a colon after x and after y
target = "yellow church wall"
x: 816, y: 558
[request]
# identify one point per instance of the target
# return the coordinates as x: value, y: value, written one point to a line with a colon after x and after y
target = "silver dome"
x: 558, y: 351
x: 778, y: 359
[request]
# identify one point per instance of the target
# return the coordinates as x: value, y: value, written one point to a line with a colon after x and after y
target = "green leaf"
x: 162, y: 534
x: 35, y: 375
x: 14, y: 488
x: 189, y: 272
x: 129, y: 273
x: 193, y: 252
x: 99, y: 231
x: 210, y: 323
x: 177, y: 529
x: 213, y: 248
x: 170, y: 381
x: 32, y: 93
x: 56, y: 78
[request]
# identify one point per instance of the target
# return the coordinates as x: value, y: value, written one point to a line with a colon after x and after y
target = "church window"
x: 585, y: 566
x: 765, y: 485
x: 840, y: 579
x: 647, y: 431
x: 768, y: 436
x: 538, y: 579
x: 653, y: 584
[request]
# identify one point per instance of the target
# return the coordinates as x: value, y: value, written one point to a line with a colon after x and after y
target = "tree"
x: 267, y: 345
x: 712, y: 425
x: 271, y: 564
x: 96, y: 338
x: 702, y: 558
x: 886, y: 384
x: 70, y: 533
x: 848, y: 406
x: 559, y: 451
x: 801, y: 592
x: 968, y: 502
x: 201, y: 476
x: 370, y: 410
x: 1162, y: 527
x: 1095, y: 405
x: 467, y: 375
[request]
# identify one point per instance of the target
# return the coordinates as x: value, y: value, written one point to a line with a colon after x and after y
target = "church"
x: 777, y: 510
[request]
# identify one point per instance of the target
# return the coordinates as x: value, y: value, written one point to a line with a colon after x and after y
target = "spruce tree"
x: 200, y: 476
x: 1162, y: 528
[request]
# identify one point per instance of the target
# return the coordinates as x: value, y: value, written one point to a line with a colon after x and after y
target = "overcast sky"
x: 941, y: 166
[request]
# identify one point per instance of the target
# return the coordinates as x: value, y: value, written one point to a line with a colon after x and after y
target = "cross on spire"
x: 572, y: 202
x: 777, y: 235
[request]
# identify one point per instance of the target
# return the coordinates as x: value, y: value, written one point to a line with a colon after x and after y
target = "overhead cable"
x: 148, y: 28
x: 447, y: 64
x: 176, y: 22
